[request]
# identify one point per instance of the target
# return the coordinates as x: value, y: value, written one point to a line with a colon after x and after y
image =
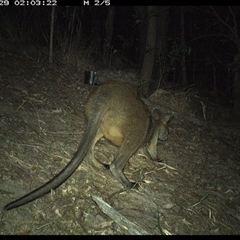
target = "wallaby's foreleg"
x: 152, y: 145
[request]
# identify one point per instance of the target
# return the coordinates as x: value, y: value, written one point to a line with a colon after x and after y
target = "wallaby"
x: 115, y: 111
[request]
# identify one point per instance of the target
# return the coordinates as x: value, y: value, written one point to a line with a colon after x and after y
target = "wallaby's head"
x: 159, y: 129
x: 160, y: 116
x: 161, y: 120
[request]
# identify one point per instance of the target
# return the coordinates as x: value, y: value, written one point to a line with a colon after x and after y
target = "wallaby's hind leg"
x: 118, y: 164
x: 90, y: 158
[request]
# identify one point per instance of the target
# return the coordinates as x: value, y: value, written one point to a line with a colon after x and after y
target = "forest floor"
x: 195, y: 189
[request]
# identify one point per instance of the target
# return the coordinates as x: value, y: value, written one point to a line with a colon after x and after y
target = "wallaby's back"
x: 126, y: 117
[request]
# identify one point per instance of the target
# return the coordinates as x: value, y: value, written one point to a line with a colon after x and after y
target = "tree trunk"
x: 184, y: 75
x: 159, y: 67
x: 51, y: 37
x: 141, y: 15
x: 107, y: 47
x: 149, y: 51
x: 237, y: 89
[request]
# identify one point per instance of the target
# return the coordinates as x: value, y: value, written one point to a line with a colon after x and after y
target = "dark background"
x: 209, y: 43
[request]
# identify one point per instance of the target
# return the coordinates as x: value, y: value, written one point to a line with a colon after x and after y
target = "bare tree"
x: 183, y: 59
x: 51, y: 36
x: 159, y: 73
x: 108, y: 39
x: 148, y: 62
x: 232, y: 33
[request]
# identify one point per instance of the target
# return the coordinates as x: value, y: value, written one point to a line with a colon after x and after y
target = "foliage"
x: 20, y: 24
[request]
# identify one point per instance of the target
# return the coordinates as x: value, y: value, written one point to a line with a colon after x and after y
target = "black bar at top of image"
x: 101, y: 3
x: 95, y: 3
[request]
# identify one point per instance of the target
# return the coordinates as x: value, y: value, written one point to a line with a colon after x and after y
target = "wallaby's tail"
x: 60, y: 178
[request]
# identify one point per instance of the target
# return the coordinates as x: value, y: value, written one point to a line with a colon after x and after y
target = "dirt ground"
x: 194, y: 190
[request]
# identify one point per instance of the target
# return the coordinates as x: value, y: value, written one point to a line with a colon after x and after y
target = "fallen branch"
x: 123, y: 222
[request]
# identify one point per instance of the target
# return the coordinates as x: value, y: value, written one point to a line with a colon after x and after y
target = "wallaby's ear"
x: 162, y: 113
x: 166, y: 117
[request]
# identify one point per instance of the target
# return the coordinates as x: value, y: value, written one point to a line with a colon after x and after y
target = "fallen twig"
x: 123, y: 222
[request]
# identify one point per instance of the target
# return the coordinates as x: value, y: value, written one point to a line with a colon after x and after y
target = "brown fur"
x: 115, y: 112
